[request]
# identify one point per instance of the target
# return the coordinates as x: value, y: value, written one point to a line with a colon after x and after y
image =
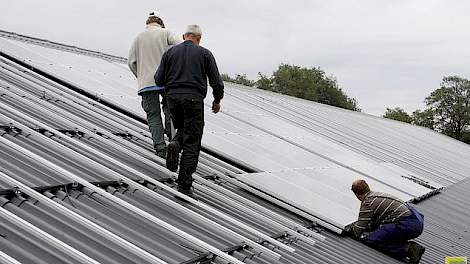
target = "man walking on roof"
x: 144, y: 58
x: 184, y: 70
x: 387, y: 223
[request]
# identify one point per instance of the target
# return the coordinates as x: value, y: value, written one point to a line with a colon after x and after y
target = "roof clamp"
x: 11, y: 128
x: 44, y: 132
x: 211, y: 177
x: 16, y: 190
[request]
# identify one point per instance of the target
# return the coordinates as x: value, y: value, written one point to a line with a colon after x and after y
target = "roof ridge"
x: 60, y: 46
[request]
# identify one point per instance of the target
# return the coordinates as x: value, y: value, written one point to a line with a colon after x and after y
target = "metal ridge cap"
x: 61, y: 46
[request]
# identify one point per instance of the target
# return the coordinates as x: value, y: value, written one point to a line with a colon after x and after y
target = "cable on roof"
x: 68, y: 195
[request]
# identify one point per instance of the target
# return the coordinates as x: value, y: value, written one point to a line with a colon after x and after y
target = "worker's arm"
x: 173, y: 39
x: 215, y: 80
x: 160, y: 75
x: 362, y: 223
x: 132, y: 59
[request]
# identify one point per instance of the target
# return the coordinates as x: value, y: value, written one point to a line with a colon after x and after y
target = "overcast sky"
x: 384, y: 53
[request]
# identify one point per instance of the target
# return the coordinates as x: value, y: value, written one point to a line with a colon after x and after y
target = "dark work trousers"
x: 392, y: 238
x: 151, y: 106
x: 166, y: 112
x: 187, y: 113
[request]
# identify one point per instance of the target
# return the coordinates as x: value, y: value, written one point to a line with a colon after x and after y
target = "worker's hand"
x: 215, y: 107
x: 347, y: 231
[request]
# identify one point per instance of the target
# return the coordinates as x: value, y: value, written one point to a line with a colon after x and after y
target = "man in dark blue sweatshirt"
x: 183, y: 71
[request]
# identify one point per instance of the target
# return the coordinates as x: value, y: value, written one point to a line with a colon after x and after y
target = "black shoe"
x: 172, y: 156
x: 415, y: 251
x: 161, y: 153
x: 187, y: 192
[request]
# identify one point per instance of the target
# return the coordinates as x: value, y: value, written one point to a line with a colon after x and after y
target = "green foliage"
x: 311, y: 84
x: 307, y: 83
x: 451, y: 106
x: 398, y: 114
x: 466, y: 137
x: 239, y: 79
x: 423, y: 118
x: 264, y: 82
x: 448, y: 109
x: 226, y: 78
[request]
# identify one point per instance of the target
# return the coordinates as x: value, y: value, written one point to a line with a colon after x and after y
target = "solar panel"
x: 324, y: 193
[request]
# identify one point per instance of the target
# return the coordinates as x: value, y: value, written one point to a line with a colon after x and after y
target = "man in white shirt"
x: 144, y: 58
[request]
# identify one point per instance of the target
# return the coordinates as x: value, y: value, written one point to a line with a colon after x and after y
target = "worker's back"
x: 185, y: 68
x: 385, y: 208
x: 146, y: 53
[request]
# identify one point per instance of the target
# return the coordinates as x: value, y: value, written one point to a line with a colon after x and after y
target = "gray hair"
x: 193, y: 30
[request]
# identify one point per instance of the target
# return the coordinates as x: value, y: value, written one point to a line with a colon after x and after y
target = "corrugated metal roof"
x: 119, y: 146
x: 447, y: 223
x: 243, y: 130
x: 320, y: 130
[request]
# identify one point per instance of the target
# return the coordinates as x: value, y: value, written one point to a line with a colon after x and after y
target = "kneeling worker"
x: 387, y: 224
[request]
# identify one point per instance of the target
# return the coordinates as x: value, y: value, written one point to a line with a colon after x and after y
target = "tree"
x: 307, y: 83
x: 466, y: 136
x: 264, y: 82
x: 226, y: 78
x: 398, y: 114
x: 450, y: 105
x: 239, y: 79
x: 423, y: 118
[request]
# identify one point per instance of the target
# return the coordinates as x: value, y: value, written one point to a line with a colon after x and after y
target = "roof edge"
x: 60, y: 46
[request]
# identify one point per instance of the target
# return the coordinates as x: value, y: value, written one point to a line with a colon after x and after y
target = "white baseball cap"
x: 193, y: 29
x: 155, y: 14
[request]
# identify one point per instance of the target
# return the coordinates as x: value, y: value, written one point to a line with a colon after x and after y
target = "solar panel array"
x: 283, y: 152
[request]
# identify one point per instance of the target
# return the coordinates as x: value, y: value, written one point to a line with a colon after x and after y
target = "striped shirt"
x: 379, y: 208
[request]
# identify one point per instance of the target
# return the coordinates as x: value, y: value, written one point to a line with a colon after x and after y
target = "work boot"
x: 415, y: 251
x: 161, y: 153
x: 187, y: 192
x: 172, y: 156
